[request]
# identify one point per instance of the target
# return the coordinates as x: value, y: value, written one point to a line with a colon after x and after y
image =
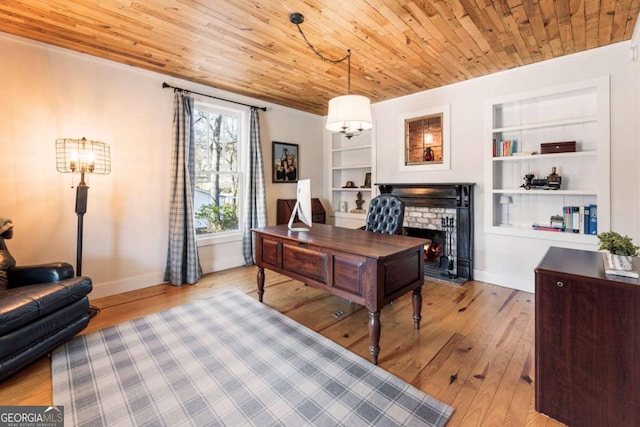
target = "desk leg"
x: 374, y: 335
x: 417, y: 307
x: 260, y: 283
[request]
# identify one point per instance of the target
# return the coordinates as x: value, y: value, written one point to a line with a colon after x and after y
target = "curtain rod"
x: 166, y: 85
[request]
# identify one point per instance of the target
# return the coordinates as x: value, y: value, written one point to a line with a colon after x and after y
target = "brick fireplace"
x: 442, y: 213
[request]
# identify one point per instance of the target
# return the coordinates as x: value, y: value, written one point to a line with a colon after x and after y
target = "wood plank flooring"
x: 474, y: 351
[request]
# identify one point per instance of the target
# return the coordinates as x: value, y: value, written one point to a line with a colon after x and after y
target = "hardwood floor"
x: 474, y: 350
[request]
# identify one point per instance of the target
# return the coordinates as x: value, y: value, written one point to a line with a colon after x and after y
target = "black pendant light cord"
x: 297, y: 19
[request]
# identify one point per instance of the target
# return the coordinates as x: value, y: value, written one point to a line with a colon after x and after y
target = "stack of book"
x: 619, y: 265
x: 576, y: 219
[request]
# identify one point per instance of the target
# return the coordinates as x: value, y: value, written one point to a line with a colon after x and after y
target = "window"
x: 423, y: 139
x: 218, y: 192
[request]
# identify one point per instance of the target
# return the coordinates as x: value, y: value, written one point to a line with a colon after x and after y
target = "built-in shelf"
x: 537, y: 192
x: 575, y: 112
x: 548, y: 124
x: 536, y: 157
x: 350, y: 215
x: 355, y: 190
x: 362, y: 166
x: 354, y: 147
x: 557, y: 236
x: 351, y: 160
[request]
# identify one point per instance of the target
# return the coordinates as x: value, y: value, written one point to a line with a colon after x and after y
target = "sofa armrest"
x: 42, y: 273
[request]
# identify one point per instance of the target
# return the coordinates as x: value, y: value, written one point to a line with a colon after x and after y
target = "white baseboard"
x: 126, y: 285
x: 505, y: 280
x: 106, y: 289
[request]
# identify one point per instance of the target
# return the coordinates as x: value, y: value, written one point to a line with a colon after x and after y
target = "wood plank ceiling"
x: 249, y: 47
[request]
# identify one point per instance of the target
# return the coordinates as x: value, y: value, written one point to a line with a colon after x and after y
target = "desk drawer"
x: 271, y: 252
x: 402, y: 272
x: 348, y: 273
x: 307, y: 262
x: 319, y: 218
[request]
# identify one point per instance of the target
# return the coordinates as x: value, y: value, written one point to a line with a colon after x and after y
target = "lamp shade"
x: 82, y: 156
x: 506, y: 200
x: 349, y: 114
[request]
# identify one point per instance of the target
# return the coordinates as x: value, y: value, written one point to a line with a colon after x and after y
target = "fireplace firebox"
x: 432, y: 210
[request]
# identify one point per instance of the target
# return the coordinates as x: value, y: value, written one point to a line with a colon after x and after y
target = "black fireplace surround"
x: 449, y: 195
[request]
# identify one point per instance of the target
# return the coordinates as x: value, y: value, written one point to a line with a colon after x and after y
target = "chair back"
x: 385, y: 215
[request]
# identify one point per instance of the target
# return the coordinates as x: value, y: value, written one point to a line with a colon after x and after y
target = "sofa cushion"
x: 39, y: 348
x: 20, y: 339
x: 21, y: 306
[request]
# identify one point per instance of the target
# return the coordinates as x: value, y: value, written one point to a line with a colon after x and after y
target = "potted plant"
x: 619, y: 249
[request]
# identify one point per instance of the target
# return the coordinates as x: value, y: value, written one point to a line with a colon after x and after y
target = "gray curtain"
x: 183, y: 265
x: 255, y: 205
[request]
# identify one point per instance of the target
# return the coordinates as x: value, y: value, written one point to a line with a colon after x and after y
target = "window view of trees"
x: 217, y: 174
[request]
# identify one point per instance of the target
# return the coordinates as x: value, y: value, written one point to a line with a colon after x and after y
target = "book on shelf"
x: 574, y: 219
x: 586, y: 218
x: 547, y: 227
x: 580, y: 219
x: 593, y: 219
x: 505, y: 148
x: 571, y: 216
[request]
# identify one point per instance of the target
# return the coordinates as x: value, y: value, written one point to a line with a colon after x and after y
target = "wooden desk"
x: 587, y: 341
x: 370, y: 269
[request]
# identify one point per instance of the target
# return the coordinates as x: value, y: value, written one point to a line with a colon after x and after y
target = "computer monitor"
x: 303, y: 206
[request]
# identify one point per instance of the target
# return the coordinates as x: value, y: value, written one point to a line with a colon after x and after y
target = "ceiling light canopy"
x: 348, y: 114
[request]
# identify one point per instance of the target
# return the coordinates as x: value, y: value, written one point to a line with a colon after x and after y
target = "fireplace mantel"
x: 444, y: 195
x: 448, y: 195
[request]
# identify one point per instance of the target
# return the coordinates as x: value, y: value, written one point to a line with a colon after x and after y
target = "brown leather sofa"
x: 41, y: 307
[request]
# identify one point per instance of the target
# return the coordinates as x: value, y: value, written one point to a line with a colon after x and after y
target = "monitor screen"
x: 303, y: 206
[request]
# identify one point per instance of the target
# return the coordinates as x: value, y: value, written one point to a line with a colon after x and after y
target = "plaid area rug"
x: 228, y: 361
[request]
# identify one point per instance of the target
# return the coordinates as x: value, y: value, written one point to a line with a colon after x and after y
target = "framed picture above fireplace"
x: 426, y: 140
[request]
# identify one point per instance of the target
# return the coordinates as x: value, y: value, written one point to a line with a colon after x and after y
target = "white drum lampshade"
x: 349, y: 114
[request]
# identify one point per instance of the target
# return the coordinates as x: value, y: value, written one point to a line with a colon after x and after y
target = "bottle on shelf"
x: 554, y: 180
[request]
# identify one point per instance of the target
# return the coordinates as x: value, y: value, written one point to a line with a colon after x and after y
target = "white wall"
x: 52, y: 93
x: 506, y: 260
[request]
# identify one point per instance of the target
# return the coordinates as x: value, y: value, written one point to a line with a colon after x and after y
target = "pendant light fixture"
x: 348, y: 114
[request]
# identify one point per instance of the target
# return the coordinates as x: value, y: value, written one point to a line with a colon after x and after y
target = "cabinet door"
x: 553, y: 347
x: 587, y: 362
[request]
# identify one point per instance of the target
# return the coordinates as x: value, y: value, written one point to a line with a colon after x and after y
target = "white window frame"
x: 243, y: 144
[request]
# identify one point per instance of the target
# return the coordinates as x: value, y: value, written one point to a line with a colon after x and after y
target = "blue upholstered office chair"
x: 385, y: 215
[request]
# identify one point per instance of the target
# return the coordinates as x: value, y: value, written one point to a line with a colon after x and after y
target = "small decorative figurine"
x: 359, y: 203
x: 551, y: 182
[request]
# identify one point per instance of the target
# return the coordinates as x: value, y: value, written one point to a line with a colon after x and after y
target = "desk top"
x: 357, y: 242
x: 582, y: 263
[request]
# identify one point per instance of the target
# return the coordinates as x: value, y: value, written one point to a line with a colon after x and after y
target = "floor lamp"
x: 82, y: 156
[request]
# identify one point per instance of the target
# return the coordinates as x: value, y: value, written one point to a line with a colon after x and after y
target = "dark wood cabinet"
x: 285, y: 207
x: 587, y: 341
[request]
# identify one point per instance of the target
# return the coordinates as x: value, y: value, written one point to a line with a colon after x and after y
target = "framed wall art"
x: 426, y: 140
x: 286, y: 162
